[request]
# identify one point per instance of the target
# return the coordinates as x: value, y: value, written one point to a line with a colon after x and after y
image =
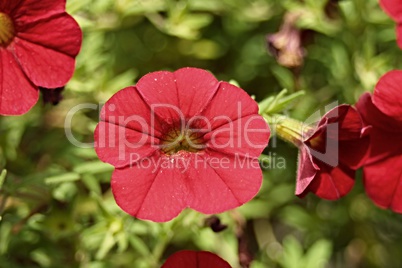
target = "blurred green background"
x: 56, y: 206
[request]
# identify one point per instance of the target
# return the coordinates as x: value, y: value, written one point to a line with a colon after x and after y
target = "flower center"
x: 7, y: 31
x: 186, y: 140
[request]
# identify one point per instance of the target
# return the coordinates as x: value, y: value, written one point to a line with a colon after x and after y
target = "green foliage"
x: 56, y: 207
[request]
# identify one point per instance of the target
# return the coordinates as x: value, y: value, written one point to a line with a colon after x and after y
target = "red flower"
x: 195, y: 259
x: 38, y: 45
x: 383, y: 168
x: 331, y: 152
x: 394, y: 9
x: 181, y: 139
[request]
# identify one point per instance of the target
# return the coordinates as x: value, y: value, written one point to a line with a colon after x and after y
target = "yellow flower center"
x: 186, y: 140
x: 7, y: 31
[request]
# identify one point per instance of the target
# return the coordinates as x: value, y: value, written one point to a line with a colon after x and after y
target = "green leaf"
x: 318, y: 254
x: 93, y: 167
x: 3, y: 177
x: 66, y: 177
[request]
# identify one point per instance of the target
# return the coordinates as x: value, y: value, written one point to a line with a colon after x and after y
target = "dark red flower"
x: 195, y: 259
x: 38, y: 45
x: 394, y: 9
x: 383, y: 168
x: 331, y: 152
x: 181, y: 139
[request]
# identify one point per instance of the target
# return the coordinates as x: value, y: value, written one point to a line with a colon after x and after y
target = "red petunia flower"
x: 394, y: 9
x: 38, y: 45
x: 181, y: 139
x: 383, y: 168
x: 195, y: 259
x: 331, y: 152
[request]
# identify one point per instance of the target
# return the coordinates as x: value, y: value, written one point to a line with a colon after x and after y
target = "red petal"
x: 371, y: 115
x: 332, y: 183
x: 195, y: 259
x: 10, y: 7
x: 387, y: 94
x: 18, y: 94
x: 122, y: 146
x: 306, y: 171
x: 344, y: 127
x: 229, y: 104
x: 150, y: 190
x: 383, y: 183
x: 60, y: 33
x: 338, y: 134
x: 32, y: 10
x: 45, y: 67
x: 127, y: 109
x: 355, y: 152
x: 247, y: 136
x: 348, y: 120
x: 393, y: 8
x: 159, y: 91
x: 218, y: 182
x: 195, y: 89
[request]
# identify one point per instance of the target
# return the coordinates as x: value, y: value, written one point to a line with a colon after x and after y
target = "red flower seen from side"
x: 38, y: 45
x: 195, y: 259
x: 331, y: 152
x: 181, y: 139
x: 394, y: 9
x: 383, y: 169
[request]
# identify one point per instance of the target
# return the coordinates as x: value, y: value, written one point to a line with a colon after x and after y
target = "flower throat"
x: 186, y: 140
x: 7, y: 31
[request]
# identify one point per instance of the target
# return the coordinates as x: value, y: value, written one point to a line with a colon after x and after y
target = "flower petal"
x: 218, y: 182
x: 371, y: 115
x: 348, y: 120
x: 341, y: 138
x: 393, y: 8
x: 306, y: 171
x: 159, y: 91
x: 199, y: 259
x: 18, y: 94
x: 195, y: 89
x: 383, y: 183
x: 387, y: 94
x: 122, y: 146
x: 332, y: 183
x: 32, y: 10
x: 229, y: 103
x: 151, y: 189
x: 44, y: 66
x: 60, y: 33
x: 246, y: 136
x: 128, y: 109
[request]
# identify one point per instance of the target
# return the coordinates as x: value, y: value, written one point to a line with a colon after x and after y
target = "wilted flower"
x: 383, y: 168
x: 181, y: 139
x: 38, y: 45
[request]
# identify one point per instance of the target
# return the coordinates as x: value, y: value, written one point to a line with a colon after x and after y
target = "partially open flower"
x: 38, y: 45
x: 195, y: 259
x: 181, y: 139
x: 330, y: 151
x: 383, y: 168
